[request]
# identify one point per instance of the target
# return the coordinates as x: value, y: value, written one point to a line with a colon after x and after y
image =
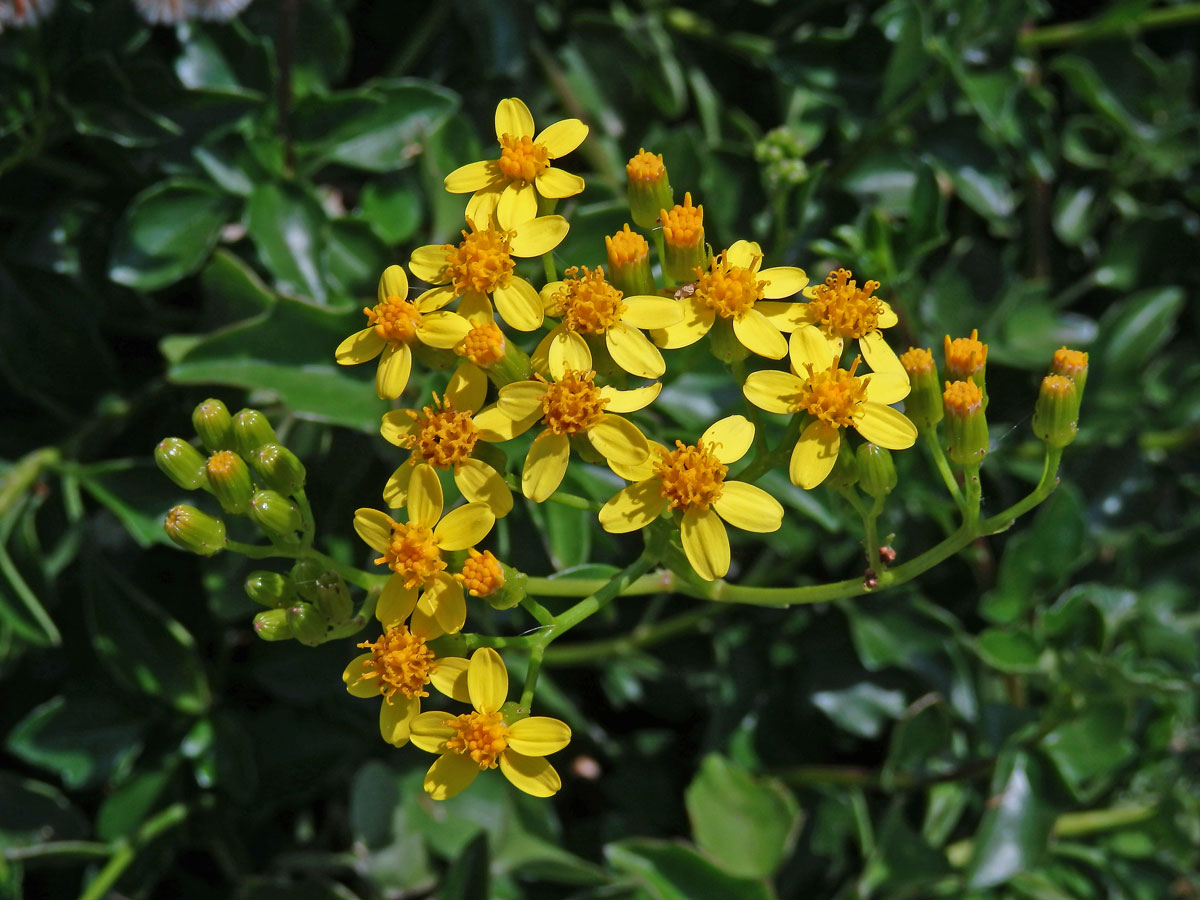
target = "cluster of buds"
x: 781, y: 155
x: 243, y: 466
x: 1056, y: 415
x: 306, y: 604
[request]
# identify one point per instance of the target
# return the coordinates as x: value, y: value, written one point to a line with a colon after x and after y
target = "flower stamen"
x: 395, y: 319
x: 573, y: 403
x: 480, y: 263
x: 589, y: 304
x: 445, y: 436
x: 729, y: 290
x: 842, y: 308
x: 401, y: 661
x: 690, y: 476
x: 478, y: 735
x: 833, y: 395
x: 413, y: 554
x: 521, y: 159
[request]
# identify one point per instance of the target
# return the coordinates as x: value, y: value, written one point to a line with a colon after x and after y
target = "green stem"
x: 602, y: 651
x: 1092, y: 820
x: 560, y: 497
x: 540, y: 614
x: 593, y: 603
x: 663, y: 581
x: 974, y: 495
x: 1045, y: 487
x: 59, y: 848
x: 531, y: 675
x: 306, y: 519
x: 668, y: 281
x: 1082, y: 32
x: 548, y: 266
x: 871, y: 534
x: 937, y: 456
x: 259, y: 551
x: 126, y: 852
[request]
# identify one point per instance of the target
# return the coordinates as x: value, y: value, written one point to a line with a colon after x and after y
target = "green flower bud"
x: 250, y: 431
x: 683, y: 241
x: 629, y: 263
x: 270, y: 589
x: 194, y: 530
x: 923, y: 405
x: 278, y: 468
x: 304, y: 575
x: 1073, y: 364
x: 229, y: 481
x: 1056, y: 415
x: 181, y: 462
x: 213, y: 424
x: 844, y: 473
x: 484, y: 576
x: 966, y: 427
x: 512, y: 592
x: 513, y: 711
x: 876, y: 471
x: 307, y: 624
x: 275, y: 514
x: 648, y: 188
x: 333, y: 598
x: 273, y: 625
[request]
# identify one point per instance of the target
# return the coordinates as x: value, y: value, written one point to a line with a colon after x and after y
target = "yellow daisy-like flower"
x: 691, y: 479
x: 478, y: 740
x: 414, y: 550
x: 836, y: 398
x: 444, y: 436
x: 839, y: 309
x: 482, y: 264
x: 395, y: 322
x: 485, y: 344
x: 397, y: 666
x: 572, y: 405
x: 591, y: 307
x: 734, y: 289
x: 508, y: 187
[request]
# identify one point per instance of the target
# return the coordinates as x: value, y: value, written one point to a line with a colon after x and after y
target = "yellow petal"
x: 513, y: 118
x: 731, y: 437
x: 562, y: 137
x: 887, y: 387
x: 467, y: 388
x: 429, y: 263
x: 476, y: 308
x: 567, y: 350
x: 814, y: 454
x: 464, y: 527
x: 555, y: 184
x: 374, y: 527
x: 395, y: 491
x: 480, y: 483
x: 518, y: 203
x: 748, y: 507
x: 706, y: 543
x: 352, y: 678
x: 360, y: 347
x: 521, y: 399
x: 395, y: 719
x: 396, y: 426
x: 487, y: 680
x: 551, y: 302
x: 424, y: 623
x: 758, y: 335
x: 468, y: 179
x: 782, y: 281
x: 647, y: 311
x: 481, y: 208
x: 442, y: 329
x: 545, y: 466
x: 443, y: 602
x: 887, y: 318
x: 494, y: 427
x: 395, y: 602
x: 427, y: 732
x: 424, y: 496
x: 531, y: 774
x: 644, y: 470
x: 449, y: 675
x: 395, y: 365
x: 519, y: 304
x: 632, y: 508
x: 776, y: 392
x: 392, y: 283
x: 632, y: 400
x: 696, y: 322
x: 538, y: 736
x: 633, y: 352
x: 809, y: 347
x: 450, y: 775
x: 885, y: 426
x: 743, y: 253
x: 785, y: 316
x: 618, y: 440
x: 881, y: 358
x: 435, y: 298
x: 538, y: 236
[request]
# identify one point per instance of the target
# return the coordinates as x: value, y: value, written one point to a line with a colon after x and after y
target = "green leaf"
x: 1015, y: 828
x: 129, y: 805
x: 137, y: 495
x: 902, y: 860
x: 467, y: 877
x: 862, y: 709
x: 353, y: 258
x: 669, y: 871
x: 1087, y: 750
x: 748, y: 825
x: 35, y: 813
x: 1011, y: 650
x: 568, y: 534
x: 374, y: 796
x: 232, y: 291
x: 392, y: 209
x: 1135, y: 329
x: 287, y: 227
x: 167, y: 233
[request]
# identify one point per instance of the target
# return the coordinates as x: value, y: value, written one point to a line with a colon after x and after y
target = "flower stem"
x: 532, y: 670
x: 938, y: 457
x: 126, y: 851
x: 668, y: 281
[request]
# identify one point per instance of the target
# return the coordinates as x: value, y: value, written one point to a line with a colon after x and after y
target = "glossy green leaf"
x: 1010, y: 650
x: 669, y: 871
x: 863, y: 709
x: 468, y: 876
x: 1088, y: 749
x: 1012, y: 835
x: 288, y: 229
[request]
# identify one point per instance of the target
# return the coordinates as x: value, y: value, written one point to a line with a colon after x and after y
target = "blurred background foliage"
x: 204, y: 208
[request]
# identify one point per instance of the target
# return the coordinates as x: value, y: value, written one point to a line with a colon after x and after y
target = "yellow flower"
x: 836, y: 399
x: 395, y: 323
x: 691, y: 479
x: 481, y: 739
x: 397, y: 666
x: 572, y: 405
x: 413, y: 551
x: 485, y: 344
x: 840, y: 309
x: 482, y: 264
x: 734, y: 289
x: 444, y: 436
x: 509, y: 186
x: 589, y: 305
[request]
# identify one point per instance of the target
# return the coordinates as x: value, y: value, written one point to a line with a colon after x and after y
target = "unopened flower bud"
x: 923, y: 405
x: 333, y: 598
x: 648, y: 188
x: 275, y: 514
x: 278, y: 468
x: 629, y: 263
x: 683, y: 241
x: 181, y: 462
x: 1056, y: 415
x: 876, y: 471
x: 270, y: 589
x: 966, y: 360
x: 483, y: 576
x: 304, y: 575
x: 250, y: 431
x: 273, y: 625
x: 844, y: 473
x: 213, y: 424
x: 307, y: 624
x: 1073, y: 364
x: 194, y: 530
x: 966, y: 427
x: 229, y: 480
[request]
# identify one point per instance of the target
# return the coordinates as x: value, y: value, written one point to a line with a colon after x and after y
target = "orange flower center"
x: 445, y: 436
x: 962, y: 398
x: 484, y: 344
x: 481, y: 736
x: 730, y: 290
x: 573, y: 403
x: 480, y: 263
x: 401, y: 662
x: 481, y: 574
x: 413, y: 554
x: 965, y: 356
x: 917, y: 361
x: 1071, y: 363
x: 683, y: 226
x: 222, y: 464
x: 843, y: 309
x: 833, y: 395
x: 521, y: 159
x: 690, y: 477
x: 625, y: 248
x: 1058, y: 385
x: 646, y: 166
x: 589, y: 303
x: 395, y: 319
